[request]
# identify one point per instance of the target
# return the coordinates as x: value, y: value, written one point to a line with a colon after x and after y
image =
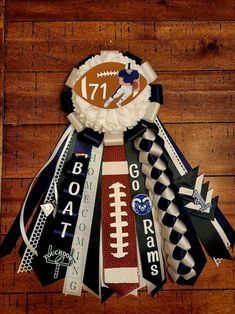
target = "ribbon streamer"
x: 118, y: 229
x: 75, y: 273
x: 177, y: 247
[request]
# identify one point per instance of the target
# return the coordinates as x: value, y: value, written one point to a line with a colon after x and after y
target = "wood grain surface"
x: 191, y: 46
x: 29, y: 10
x: 169, y: 46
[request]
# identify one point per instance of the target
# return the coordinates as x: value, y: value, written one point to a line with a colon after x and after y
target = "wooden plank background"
x: 191, y: 46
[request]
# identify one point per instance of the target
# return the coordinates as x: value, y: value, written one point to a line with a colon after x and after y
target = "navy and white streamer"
x: 181, y: 264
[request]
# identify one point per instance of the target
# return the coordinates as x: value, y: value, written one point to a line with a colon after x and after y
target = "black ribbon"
x: 156, y: 93
x: 91, y: 137
x: 54, y: 253
x: 149, y: 254
x: 66, y: 101
x: 84, y: 60
x: 135, y: 132
x: 130, y: 55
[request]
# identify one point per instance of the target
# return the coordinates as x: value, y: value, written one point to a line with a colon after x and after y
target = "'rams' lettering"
x: 152, y: 257
x: 150, y: 242
x: 154, y: 270
x: 148, y: 224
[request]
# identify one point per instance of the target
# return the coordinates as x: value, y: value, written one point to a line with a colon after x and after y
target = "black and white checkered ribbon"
x: 179, y: 262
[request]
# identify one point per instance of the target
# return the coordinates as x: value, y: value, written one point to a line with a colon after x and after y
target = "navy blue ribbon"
x: 156, y: 93
x: 54, y: 249
x: 37, y: 192
x: 130, y: 55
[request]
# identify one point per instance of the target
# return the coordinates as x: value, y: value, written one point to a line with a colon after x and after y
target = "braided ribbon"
x: 179, y: 261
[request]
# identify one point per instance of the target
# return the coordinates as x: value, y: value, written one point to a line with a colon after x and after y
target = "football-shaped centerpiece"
x: 111, y: 85
x: 110, y: 92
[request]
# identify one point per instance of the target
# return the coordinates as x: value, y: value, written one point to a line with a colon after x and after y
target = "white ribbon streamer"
x: 75, y: 273
x: 171, y: 150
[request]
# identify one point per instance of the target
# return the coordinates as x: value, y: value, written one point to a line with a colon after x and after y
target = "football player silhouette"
x: 129, y: 84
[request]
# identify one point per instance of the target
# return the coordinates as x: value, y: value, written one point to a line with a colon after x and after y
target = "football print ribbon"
x: 118, y: 226
x: 117, y: 203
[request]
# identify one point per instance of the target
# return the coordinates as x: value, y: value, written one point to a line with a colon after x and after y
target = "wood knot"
x: 163, y: 3
x: 212, y: 47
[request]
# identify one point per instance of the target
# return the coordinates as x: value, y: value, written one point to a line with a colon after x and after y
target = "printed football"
x: 109, y: 85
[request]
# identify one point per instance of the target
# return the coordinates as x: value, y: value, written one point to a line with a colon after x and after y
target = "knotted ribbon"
x: 182, y: 264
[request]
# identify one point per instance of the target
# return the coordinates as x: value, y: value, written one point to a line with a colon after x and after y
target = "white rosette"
x: 110, y: 120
